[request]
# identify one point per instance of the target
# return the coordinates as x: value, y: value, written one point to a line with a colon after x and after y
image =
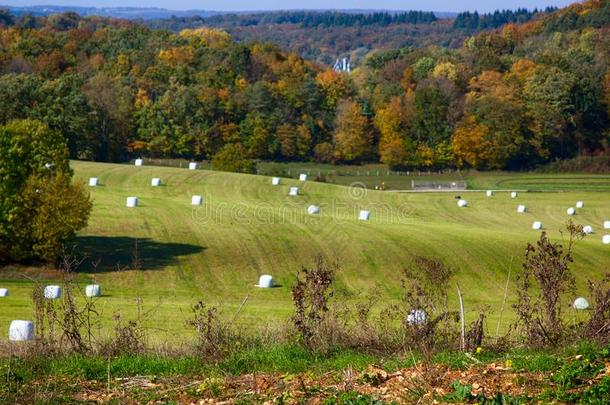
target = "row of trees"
x: 506, y: 99
x: 476, y: 21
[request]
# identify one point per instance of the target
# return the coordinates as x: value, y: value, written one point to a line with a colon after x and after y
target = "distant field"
x: 248, y: 227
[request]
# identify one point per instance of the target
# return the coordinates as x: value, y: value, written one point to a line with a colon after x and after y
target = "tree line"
x: 476, y: 21
x: 505, y: 99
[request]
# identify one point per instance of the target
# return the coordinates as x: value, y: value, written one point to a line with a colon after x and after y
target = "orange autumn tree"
x: 388, y: 121
x: 352, y: 139
x: 471, y: 146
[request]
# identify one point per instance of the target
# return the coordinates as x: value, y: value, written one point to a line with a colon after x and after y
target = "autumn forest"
x: 512, y: 97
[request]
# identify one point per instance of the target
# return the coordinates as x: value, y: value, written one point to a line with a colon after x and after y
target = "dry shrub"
x: 215, y: 338
x: 428, y: 322
x: 310, y: 296
x: 546, y: 277
x: 598, y: 326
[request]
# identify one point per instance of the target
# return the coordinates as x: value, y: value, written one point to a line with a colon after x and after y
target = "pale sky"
x: 232, y: 5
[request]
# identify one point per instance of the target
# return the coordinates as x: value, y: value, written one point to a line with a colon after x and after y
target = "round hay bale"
x: 489, y: 193
x: 580, y: 204
x: 302, y: 177
x: 52, y: 292
x: 606, y: 240
x: 462, y: 203
x: 293, y: 191
x: 139, y: 162
x: 606, y: 224
x: 265, y: 281
x: 571, y: 211
x: 93, y: 181
x: 196, y: 200
x: 537, y: 225
x: 588, y: 229
x: 155, y: 182
x: 3, y: 292
x: 580, y: 303
x: 521, y: 208
x: 514, y: 194
x: 313, y: 209
x: 275, y: 181
x: 132, y: 202
x: 193, y: 166
x: 93, y: 290
x: 416, y: 317
x: 21, y: 331
x: 364, y: 215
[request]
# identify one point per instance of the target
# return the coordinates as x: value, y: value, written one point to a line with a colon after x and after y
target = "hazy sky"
x: 433, y: 5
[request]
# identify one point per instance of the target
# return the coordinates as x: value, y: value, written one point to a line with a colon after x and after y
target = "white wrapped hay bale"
x: 489, y: 193
x: 302, y: 177
x: 193, y: 166
x: 580, y: 303
x: 537, y: 225
x: 293, y: 191
x: 416, y: 317
x: 3, y: 292
x: 571, y: 211
x: 462, y: 203
x: 132, y: 202
x: 93, y: 290
x: 265, y: 281
x: 93, y: 181
x: 514, y: 194
x: 588, y: 229
x: 521, y: 208
x: 364, y: 215
x: 139, y: 162
x: 21, y: 331
x: 313, y: 209
x: 580, y: 204
x: 275, y: 181
x: 155, y: 182
x: 606, y: 224
x: 606, y: 240
x: 196, y: 200
x: 52, y: 292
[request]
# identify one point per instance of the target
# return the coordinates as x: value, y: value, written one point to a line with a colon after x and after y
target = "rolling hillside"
x: 248, y: 227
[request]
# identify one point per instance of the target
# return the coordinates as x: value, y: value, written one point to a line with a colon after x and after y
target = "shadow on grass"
x: 105, y: 253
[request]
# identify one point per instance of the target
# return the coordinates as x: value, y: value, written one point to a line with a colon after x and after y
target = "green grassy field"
x: 248, y: 227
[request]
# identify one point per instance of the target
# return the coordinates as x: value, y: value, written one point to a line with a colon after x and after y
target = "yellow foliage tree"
x: 470, y: 144
x: 351, y: 138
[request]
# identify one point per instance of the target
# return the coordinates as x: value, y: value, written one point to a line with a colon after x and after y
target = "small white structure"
x: 93, y: 181
x: 20, y: 331
x: 571, y: 211
x: 302, y: 177
x: 132, y: 202
x: 275, y: 181
x: 364, y: 215
x: 52, y: 292
x: 489, y: 193
x: 139, y: 162
x: 313, y: 209
x: 521, y: 208
x: 196, y: 200
x: 265, y: 281
x: 537, y: 225
x: 588, y: 229
x: 580, y: 204
x: 3, y: 292
x: 155, y: 182
x: 293, y: 191
x: 514, y: 194
x: 606, y: 224
x: 462, y: 203
x: 416, y: 317
x: 606, y: 240
x: 93, y: 290
x: 193, y: 166
x: 580, y: 303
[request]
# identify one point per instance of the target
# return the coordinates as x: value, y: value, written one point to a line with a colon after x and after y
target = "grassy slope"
x: 248, y: 227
